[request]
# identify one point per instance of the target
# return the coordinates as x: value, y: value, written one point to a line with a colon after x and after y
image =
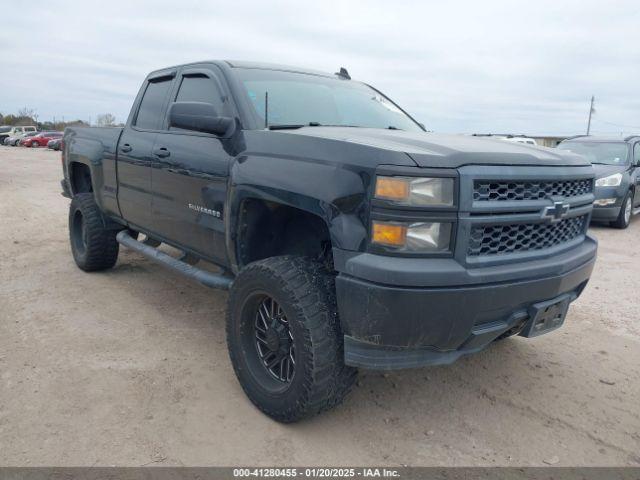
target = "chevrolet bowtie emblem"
x: 556, y: 212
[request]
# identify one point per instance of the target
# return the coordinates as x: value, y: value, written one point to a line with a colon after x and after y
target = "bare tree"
x: 27, y: 116
x: 26, y: 112
x: 105, y: 120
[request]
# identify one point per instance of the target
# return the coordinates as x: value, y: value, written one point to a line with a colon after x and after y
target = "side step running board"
x: 208, y: 279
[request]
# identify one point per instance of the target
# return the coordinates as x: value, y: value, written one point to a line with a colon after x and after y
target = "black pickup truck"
x: 347, y: 235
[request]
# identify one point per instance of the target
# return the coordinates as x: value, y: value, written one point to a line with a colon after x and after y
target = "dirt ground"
x: 130, y: 367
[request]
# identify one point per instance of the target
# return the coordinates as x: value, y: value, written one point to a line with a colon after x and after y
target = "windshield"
x: 297, y: 99
x: 5, y: 129
x: 605, y: 153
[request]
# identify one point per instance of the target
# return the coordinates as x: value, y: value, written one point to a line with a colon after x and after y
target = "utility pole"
x: 591, y: 111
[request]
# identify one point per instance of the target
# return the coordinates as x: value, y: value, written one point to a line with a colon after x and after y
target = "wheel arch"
x: 80, y: 178
x: 266, y: 228
x: 330, y: 198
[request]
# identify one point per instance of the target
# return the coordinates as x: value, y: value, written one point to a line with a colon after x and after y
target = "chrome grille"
x: 523, y: 237
x: 503, y: 190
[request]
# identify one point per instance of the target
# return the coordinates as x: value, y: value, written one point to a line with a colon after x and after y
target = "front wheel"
x: 284, y: 338
x: 624, y: 217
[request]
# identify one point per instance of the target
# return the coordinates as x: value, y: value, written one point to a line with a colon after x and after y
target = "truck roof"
x: 275, y: 66
x: 249, y: 64
x: 601, y: 138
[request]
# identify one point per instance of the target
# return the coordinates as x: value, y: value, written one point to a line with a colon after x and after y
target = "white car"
x: 15, y: 131
x: 526, y: 140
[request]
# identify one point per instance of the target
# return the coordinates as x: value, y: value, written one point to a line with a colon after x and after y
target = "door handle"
x: 161, y: 152
x: 126, y: 148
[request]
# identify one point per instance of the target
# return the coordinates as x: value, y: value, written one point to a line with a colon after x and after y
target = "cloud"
x: 468, y: 66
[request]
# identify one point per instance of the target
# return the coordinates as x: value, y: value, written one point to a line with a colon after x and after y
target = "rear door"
x: 191, y: 170
x: 134, y: 152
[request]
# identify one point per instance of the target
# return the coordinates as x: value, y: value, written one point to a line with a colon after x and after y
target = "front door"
x: 190, y: 173
x: 635, y: 174
x: 135, y: 157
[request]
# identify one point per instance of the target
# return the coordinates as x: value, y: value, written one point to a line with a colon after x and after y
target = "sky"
x: 456, y: 66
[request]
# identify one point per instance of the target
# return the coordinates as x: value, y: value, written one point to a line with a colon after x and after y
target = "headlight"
x: 610, y: 181
x: 425, y: 237
x: 414, y: 191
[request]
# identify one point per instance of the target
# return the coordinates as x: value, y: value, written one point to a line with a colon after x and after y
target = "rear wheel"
x: 624, y: 217
x: 93, y: 246
x: 284, y: 338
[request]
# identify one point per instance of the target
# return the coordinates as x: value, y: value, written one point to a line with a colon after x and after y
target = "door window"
x: 152, y: 102
x: 636, y: 154
x: 199, y: 88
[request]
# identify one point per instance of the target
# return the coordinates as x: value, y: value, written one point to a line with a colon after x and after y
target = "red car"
x: 41, y: 139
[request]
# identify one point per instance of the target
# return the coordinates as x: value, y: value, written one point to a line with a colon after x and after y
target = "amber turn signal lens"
x: 389, y: 234
x: 392, y: 188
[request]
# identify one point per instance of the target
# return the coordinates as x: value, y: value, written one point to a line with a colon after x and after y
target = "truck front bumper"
x: 403, y: 313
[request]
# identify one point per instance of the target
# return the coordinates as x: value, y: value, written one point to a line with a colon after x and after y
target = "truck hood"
x: 447, y: 151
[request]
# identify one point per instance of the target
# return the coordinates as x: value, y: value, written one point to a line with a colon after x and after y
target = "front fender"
x: 336, y: 193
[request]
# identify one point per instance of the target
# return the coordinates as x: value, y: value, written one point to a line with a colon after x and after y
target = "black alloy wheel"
x: 274, y: 341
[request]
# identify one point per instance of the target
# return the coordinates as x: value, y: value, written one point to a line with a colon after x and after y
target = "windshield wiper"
x: 310, y: 124
x: 285, y: 127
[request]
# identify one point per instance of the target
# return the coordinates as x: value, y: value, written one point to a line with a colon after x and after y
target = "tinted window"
x: 636, y: 155
x: 151, y: 105
x: 200, y: 89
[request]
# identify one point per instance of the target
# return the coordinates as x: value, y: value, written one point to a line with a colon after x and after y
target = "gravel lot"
x: 130, y: 367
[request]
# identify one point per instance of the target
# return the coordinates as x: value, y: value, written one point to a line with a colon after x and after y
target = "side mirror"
x: 198, y: 117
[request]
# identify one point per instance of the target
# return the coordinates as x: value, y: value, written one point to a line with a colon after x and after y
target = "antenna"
x: 266, y: 109
x: 343, y: 73
x: 591, y: 112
